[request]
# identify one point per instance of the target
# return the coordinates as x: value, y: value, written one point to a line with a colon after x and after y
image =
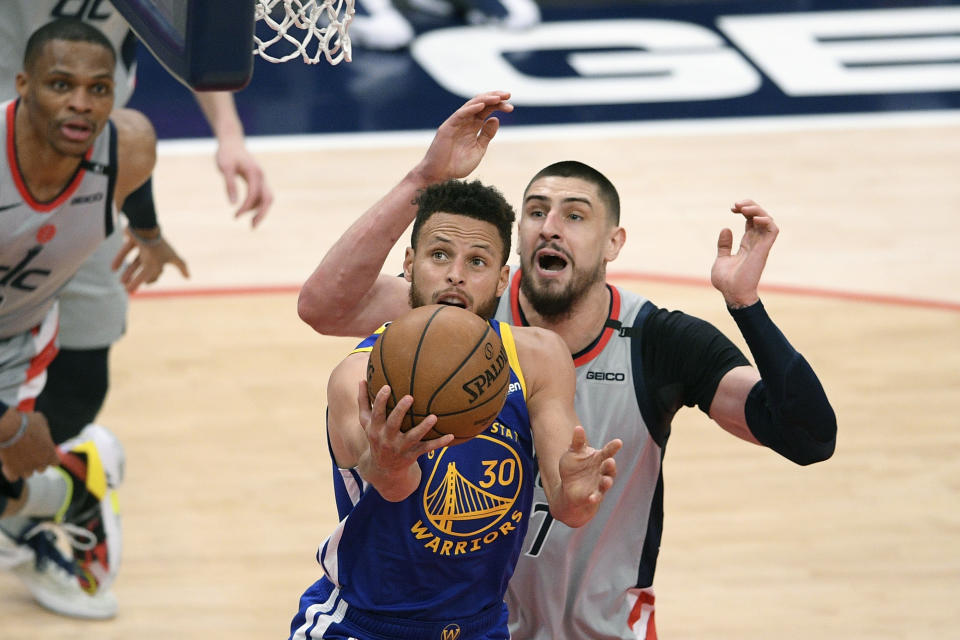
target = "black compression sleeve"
x: 788, y: 409
x: 12, y: 489
x: 139, y: 207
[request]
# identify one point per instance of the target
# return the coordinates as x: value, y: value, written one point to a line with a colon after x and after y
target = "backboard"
x: 206, y: 44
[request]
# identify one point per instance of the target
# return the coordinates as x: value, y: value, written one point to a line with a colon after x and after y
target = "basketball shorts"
x: 641, y: 619
x: 93, y: 304
x: 325, y: 614
x: 25, y: 358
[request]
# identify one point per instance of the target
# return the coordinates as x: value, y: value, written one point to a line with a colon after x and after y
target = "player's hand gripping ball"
x: 453, y: 364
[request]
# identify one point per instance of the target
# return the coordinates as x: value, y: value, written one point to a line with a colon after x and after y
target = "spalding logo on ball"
x: 453, y: 364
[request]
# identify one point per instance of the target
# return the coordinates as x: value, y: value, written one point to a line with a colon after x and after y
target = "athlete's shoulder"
x: 661, y: 320
x: 136, y: 150
x: 539, y: 349
x: 366, y: 345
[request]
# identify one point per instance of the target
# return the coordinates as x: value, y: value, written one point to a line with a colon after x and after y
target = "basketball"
x: 453, y: 364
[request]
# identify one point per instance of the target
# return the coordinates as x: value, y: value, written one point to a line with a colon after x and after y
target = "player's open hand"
x: 462, y: 139
x: 233, y: 160
x: 390, y: 462
x: 149, y: 261
x: 737, y: 275
x: 586, y: 475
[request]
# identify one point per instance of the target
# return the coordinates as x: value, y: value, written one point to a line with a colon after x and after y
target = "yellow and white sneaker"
x: 52, y: 579
x: 92, y: 464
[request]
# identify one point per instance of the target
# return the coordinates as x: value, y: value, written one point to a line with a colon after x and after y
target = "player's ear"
x: 618, y: 235
x: 408, y: 264
x: 504, y: 280
x: 21, y: 83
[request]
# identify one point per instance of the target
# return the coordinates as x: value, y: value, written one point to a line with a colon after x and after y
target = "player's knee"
x: 77, y: 382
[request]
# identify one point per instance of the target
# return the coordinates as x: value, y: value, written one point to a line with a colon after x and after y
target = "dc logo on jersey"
x: 470, y: 496
x: 18, y: 276
x: 82, y: 10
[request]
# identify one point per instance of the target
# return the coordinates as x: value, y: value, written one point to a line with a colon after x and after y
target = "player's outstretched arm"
x: 370, y: 439
x: 575, y: 476
x: 782, y: 403
x: 233, y: 158
x: 347, y: 294
x: 136, y: 158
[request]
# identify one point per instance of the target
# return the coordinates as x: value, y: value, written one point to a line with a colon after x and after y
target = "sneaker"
x: 11, y: 553
x: 92, y: 465
x: 52, y: 578
x: 378, y: 25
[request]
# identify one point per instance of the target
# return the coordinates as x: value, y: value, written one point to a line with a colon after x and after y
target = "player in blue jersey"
x: 636, y: 366
x: 430, y: 533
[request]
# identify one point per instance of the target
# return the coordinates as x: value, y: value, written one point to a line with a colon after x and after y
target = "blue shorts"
x: 325, y: 614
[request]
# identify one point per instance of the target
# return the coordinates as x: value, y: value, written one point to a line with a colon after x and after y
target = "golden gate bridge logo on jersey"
x: 470, y: 496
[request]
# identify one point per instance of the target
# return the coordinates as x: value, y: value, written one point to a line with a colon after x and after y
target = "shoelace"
x: 79, y: 538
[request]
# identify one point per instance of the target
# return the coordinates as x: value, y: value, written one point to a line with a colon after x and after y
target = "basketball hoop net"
x: 320, y: 25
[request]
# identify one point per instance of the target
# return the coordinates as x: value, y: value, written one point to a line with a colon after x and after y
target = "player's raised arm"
x: 347, y: 294
x: 780, y: 404
x: 575, y: 476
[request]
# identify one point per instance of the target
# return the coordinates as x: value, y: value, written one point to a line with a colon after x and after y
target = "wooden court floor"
x: 219, y: 395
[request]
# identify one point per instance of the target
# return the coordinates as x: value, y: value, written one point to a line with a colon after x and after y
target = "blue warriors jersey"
x: 448, y: 550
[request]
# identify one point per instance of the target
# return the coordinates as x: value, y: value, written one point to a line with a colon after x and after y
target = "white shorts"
x: 25, y: 359
x: 93, y: 304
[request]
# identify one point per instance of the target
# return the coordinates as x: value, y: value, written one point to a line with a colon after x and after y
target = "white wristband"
x: 147, y: 242
x: 19, y: 434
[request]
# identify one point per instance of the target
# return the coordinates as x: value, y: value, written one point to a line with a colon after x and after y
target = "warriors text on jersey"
x: 45, y: 242
x: 446, y: 552
x: 595, y: 581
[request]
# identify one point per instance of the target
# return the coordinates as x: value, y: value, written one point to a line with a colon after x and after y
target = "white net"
x: 305, y: 28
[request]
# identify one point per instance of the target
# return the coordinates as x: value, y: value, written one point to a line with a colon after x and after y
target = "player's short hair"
x: 574, y: 169
x: 471, y: 199
x: 69, y: 29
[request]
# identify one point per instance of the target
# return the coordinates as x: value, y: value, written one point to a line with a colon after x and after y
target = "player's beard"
x: 554, y: 301
x: 485, y: 309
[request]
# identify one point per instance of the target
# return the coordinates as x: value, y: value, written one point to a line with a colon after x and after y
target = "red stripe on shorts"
x: 643, y: 598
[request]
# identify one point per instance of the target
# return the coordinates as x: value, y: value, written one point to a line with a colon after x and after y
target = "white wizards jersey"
x: 605, y: 561
x: 42, y: 244
x: 20, y: 18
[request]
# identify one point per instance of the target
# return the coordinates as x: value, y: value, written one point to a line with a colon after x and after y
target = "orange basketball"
x: 453, y: 364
